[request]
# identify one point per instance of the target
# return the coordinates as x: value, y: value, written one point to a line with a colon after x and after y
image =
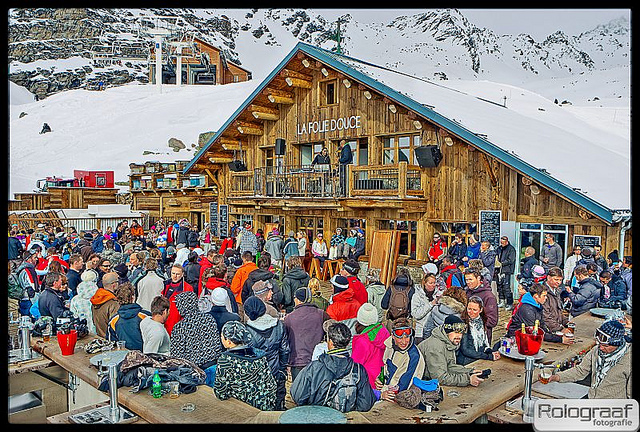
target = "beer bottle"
x: 381, y: 376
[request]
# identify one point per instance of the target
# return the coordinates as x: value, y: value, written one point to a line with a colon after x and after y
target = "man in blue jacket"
x: 51, y: 300
x: 125, y: 325
x: 346, y: 158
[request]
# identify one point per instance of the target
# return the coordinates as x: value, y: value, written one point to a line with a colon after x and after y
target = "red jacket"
x: 204, y: 264
x: 359, y: 290
x: 344, y: 305
x: 170, y: 291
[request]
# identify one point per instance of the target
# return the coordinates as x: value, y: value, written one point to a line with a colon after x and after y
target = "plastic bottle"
x: 156, y: 387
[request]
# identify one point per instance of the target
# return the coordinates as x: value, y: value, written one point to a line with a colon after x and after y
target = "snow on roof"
x: 568, y: 148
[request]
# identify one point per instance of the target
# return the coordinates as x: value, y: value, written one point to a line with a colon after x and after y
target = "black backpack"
x: 342, y: 394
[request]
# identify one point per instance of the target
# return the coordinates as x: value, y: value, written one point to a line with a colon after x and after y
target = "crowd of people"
x: 245, y: 311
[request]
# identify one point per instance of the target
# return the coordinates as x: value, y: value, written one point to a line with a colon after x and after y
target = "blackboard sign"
x: 223, y: 221
x: 213, y: 218
x: 490, y: 226
x: 585, y: 240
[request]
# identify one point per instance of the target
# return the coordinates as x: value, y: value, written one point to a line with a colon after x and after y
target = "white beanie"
x: 367, y: 314
x: 430, y: 268
x: 219, y: 296
x: 89, y: 275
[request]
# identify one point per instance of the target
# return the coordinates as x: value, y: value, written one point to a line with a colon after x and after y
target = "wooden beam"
x: 297, y: 82
x: 492, y: 175
x: 279, y: 96
x: 264, y: 113
x: 247, y: 128
x: 219, y: 160
x: 288, y: 73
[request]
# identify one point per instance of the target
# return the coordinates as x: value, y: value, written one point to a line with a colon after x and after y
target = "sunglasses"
x: 403, y: 331
x: 456, y: 327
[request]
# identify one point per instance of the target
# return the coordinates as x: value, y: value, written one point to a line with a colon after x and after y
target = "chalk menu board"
x: 213, y: 218
x: 585, y: 240
x: 490, y: 226
x: 223, y: 221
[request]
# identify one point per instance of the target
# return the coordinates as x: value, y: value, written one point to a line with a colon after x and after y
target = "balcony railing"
x: 327, y: 181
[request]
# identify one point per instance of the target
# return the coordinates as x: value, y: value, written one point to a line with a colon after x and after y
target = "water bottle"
x: 156, y: 387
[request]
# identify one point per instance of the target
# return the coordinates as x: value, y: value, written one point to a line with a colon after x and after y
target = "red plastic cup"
x: 67, y: 342
x: 529, y: 344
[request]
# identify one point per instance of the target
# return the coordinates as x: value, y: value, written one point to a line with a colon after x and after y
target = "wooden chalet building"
x: 426, y: 158
x: 165, y: 192
x: 201, y: 63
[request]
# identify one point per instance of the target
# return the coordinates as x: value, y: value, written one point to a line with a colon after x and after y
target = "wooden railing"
x: 400, y: 180
x: 327, y: 181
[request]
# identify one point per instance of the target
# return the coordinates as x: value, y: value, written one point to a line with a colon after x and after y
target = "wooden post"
x: 349, y: 180
x: 402, y: 180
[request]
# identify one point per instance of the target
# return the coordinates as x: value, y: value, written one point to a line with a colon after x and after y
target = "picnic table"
x: 505, y: 382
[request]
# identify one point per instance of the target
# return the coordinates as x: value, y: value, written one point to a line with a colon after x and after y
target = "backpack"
x: 342, y: 393
x: 398, y: 303
x: 15, y: 289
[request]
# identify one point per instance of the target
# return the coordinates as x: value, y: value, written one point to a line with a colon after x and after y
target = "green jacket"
x: 440, y: 360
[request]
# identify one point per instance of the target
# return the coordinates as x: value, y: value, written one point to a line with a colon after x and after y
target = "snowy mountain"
x: 50, y: 55
x: 50, y: 49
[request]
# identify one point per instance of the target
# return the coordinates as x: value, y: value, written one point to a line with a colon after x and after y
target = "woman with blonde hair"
x: 317, y: 298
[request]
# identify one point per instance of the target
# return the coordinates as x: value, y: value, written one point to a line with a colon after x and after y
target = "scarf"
x: 605, y: 362
x: 372, y: 331
x: 478, y: 335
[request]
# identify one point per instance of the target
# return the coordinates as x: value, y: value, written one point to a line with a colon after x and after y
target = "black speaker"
x: 428, y: 156
x: 237, y: 166
x: 280, y: 147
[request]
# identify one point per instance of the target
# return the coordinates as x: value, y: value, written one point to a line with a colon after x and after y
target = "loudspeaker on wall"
x: 428, y: 156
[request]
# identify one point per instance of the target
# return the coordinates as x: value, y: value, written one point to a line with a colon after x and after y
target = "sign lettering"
x: 329, y: 125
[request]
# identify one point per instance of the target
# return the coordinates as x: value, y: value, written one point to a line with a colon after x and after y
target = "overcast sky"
x: 539, y: 23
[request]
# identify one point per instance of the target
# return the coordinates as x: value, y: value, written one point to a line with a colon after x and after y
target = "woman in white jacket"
x: 425, y: 297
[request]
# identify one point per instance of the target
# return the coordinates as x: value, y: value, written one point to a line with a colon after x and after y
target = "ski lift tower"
x: 159, y: 28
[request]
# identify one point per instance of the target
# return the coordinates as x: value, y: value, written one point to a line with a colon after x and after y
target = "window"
x: 448, y: 231
x: 309, y: 151
x: 359, y: 150
x: 408, y: 235
x: 312, y: 226
x: 328, y: 92
x: 400, y: 149
x: 242, y: 218
x: 533, y: 235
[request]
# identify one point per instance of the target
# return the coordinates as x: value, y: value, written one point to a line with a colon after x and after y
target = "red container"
x: 67, y: 342
x: 529, y: 344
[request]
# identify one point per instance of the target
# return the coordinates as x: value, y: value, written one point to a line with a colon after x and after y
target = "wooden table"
x: 505, y: 382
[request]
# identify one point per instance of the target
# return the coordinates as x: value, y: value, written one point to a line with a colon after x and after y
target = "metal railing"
x: 328, y: 181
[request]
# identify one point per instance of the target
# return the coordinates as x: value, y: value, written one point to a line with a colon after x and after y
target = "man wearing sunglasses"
x: 439, y: 352
x: 608, y: 364
x: 402, y: 361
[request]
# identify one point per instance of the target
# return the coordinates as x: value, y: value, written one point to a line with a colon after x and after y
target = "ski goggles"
x: 601, y: 337
x: 403, y: 331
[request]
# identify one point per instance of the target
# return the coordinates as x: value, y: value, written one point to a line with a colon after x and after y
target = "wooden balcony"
x: 324, y: 182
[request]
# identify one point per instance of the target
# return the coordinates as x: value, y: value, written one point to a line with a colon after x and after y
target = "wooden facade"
x: 309, y: 104
x: 63, y: 197
x: 163, y: 191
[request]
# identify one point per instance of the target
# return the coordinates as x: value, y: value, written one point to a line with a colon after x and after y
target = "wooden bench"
x: 333, y: 267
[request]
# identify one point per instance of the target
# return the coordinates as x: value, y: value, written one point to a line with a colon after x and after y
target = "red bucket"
x: 67, y: 342
x: 529, y: 344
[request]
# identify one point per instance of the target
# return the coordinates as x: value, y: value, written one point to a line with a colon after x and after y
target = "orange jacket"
x: 240, y: 278
x: 137, y: 231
